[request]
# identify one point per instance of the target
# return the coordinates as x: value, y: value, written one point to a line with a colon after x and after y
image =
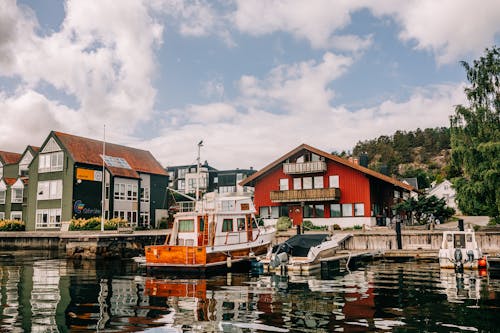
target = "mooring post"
x: 398, y: 235
x: 461, y: 224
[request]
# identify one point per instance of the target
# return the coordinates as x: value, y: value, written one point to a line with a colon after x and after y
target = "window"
x: 48, y: 218
x: 318, y: 182
x: 227, y: 189
x: 17, y: 195
x: 227, y: 225
x: 2, y: 216
x: 145, y: 194
x: 181, y: 184
x: 283, y: 184
x: 307, y: 183
x: 347, y: 209
x: 297, y: 184
x: 2, y: 197
x: 239, y: 177
x: 50, y: 162
x: 359, y: 209
x: 144, y: 218
x: 216, y: 180
x: 241, y: 224
x: 186, y: 225
x: 334, y: 181
x: 335, y: 210
x: 131, y: 192
x: 16, y: 216
x: 120, y: 191
x: 50, y: 189
x: 314, y: 211
x: 181, y: 173
x: 227, y: 205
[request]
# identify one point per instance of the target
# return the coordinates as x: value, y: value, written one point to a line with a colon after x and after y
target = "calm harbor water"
x: 43, y: 293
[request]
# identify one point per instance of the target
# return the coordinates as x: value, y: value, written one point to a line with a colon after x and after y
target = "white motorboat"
x: 459, y: 250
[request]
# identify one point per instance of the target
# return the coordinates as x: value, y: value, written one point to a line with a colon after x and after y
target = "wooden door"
x: 295, y: 214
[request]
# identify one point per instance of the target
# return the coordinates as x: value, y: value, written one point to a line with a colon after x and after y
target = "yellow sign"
x: 86, y: 174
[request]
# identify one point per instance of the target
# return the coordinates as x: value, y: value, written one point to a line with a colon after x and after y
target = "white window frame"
x: 347, y: 210
x: 334, y: 181
x: 297, y: 183
x: 51, y: 218
x: 16, y: 215
x: 145, y: 194
x: 49, y: 189
x: 17, y: 195
x: 359, y: 209
x: 50, y: 162
x: 2, y: 216
x: 144, y: 216
x: 318, y: 182
x: 284, y: 184
x: 120, y: 191
x: 3, y: 194
x: 307, y: 183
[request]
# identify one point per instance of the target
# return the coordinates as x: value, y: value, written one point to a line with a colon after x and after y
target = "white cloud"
x: 106, y: 63
x: 450, y: 29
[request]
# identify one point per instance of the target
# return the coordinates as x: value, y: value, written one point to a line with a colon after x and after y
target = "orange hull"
x: 195, y: 257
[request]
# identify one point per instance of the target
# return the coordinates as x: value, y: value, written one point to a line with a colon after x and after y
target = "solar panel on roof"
x: 116, y: 162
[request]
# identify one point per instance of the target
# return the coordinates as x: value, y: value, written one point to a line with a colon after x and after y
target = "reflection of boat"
x: 459, y: 250
x: 214, y: 233
x: 461, y: 286
x: 302, y: 253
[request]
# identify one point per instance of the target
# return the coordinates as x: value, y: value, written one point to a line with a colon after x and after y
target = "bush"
x: 336, y: 227
x: 308, y: 225
x: 357, y: 227
x: 12, y: 225
x: 494, y: 221
x: 283, y: 223
x: 94, y: 223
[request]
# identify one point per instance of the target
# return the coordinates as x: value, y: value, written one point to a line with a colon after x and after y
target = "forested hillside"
x: 424, y: 154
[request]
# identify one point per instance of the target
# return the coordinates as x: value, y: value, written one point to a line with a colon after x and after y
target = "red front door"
x: 295, y: 213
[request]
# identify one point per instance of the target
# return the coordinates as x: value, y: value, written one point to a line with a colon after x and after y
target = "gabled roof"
x: 331, y: 157
x: 9, y: 157
x: 89, y: 151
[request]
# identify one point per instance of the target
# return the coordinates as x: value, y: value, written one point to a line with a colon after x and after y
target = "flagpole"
x: 103, y: 180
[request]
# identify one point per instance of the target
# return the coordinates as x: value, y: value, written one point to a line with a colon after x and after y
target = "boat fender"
x: 470, y: 256
x: 228, y: 262
x: 482, y: 263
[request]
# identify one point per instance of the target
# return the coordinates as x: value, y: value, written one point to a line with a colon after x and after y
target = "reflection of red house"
x: 308, y: 183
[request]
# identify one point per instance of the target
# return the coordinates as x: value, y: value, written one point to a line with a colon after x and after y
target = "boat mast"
x: 200, y: 144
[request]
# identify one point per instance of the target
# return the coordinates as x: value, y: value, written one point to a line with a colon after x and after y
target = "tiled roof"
x: 10, y: 158
x: 10, y: 181
x: 331, y: 157
x: 35, y: 149
x: 89, y: 151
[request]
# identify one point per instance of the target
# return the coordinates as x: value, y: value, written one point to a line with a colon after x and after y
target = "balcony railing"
x: 317, y: 194
x: 305, y: 167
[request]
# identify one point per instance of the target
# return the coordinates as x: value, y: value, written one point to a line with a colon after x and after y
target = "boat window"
x: 186, y: 225
x: 449, y: 238
x: 227, y: 205
x: 469, y: 238
x: 227, y: 225
x: 254, y: 223
x: 202, y: 224
x: 459, y: 241
x: 241, y: 224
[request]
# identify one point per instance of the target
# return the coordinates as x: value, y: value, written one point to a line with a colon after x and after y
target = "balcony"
x: 304, y: 168
x: 317, y: 194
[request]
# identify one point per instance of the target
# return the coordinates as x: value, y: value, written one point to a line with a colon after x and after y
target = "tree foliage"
x: 425, y: 209
x: 475, y: 139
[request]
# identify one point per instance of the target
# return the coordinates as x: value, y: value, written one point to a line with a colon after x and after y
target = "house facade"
x: 445, y: 190
x: 310, y: 184
x: 66, y: 181
x: 11, y: 187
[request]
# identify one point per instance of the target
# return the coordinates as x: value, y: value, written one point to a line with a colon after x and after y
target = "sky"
x: 252, y: 79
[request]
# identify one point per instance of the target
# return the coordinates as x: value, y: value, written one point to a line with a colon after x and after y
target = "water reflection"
x: 56, y: 295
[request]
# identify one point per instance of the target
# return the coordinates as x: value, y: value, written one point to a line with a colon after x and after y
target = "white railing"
x: 305, y: 167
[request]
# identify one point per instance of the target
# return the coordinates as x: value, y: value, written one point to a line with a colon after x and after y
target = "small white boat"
x: 216, y: 232
x: 303, y: 253
x: 459, y: 250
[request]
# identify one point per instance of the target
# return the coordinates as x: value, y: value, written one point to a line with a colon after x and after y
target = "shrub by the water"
x: 12, y: 225
x: 94, y: 223
x: 283, y: 223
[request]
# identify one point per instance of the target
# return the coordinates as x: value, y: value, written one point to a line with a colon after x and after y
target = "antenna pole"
x: 103, y: 180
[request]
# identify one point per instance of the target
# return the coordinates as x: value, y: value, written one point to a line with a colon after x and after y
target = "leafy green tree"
x: 425, y: 209
x: 475, y: 139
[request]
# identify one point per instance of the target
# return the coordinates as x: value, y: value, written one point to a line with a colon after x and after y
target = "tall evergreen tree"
x: 475, y: 139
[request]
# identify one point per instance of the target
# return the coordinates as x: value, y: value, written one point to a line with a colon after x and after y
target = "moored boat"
x: 459, y: 250
x: 303, y: 253
x: 215, y: 233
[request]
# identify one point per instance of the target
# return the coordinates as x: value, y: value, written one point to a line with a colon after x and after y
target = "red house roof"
x: 89, y: 151
x: 331, y: 157
x: 10, y: 158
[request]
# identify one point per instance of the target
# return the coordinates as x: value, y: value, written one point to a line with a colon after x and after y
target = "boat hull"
x: 199, y: 258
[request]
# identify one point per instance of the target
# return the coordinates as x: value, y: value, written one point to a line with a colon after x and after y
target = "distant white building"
x: 446, y: 191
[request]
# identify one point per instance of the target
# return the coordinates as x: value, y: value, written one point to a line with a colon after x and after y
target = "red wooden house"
x: 310, y: 184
